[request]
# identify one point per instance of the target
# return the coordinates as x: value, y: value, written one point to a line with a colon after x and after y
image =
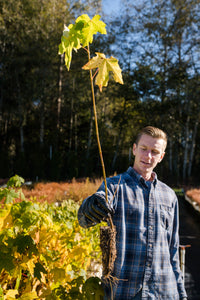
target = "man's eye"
x: 155, y: 152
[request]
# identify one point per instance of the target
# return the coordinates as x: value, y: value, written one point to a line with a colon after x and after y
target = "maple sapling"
x: 76, y: 36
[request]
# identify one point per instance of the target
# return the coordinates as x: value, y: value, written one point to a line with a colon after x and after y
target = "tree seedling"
x: 77, y: 36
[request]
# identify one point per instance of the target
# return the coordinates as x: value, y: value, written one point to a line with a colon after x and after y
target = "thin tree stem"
x: 97, y: 135
x: 97, y: 129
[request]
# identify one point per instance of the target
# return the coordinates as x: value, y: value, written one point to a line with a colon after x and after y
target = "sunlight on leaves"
x: 11, y: 294
x: 104, y: 66
x: 15, y: 181
x: 90, y: 27
x: 29, y: 296
x: 43, y: 249
x: 79, y: 35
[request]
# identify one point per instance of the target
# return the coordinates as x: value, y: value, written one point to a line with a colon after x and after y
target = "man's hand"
x: 96, y: 209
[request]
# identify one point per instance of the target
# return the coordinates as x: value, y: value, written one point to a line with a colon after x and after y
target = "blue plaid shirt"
x: 146, y: 219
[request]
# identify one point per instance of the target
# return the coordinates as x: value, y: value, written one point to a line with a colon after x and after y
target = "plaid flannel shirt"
x: 146, y: 219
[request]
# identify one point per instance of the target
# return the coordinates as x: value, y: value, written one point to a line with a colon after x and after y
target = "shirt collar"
x: 133, y: 173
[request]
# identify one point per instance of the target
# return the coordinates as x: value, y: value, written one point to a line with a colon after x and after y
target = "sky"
x: 111, y: 7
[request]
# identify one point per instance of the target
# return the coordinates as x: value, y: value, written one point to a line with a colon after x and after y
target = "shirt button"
x: 150, y: 245
x: 150, y: 227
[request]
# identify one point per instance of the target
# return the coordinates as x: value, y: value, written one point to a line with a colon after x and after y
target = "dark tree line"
x: 46, y: 118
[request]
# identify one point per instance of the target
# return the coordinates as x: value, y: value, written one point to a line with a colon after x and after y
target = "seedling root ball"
x: 108, y: 248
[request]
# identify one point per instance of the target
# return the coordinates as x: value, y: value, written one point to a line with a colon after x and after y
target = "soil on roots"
x: 108, y: 248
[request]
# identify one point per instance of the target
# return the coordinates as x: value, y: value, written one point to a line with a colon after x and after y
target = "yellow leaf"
x: 28, y: 287
x: 68, y: 268
x: 80, y: 254
x: 6, y: 221
x: 29, y: 296
x: 104, y: 66
x: 58, y: 274
x: 47, y: 291
x: 10, y: 295
x: 31, y: 266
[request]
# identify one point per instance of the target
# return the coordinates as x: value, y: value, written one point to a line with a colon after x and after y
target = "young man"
x: 145, y: 213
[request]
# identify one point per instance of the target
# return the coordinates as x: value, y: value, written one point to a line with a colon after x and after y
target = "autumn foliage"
x: 76, y: 190
x: 44, y: 253
x: 194, y: 194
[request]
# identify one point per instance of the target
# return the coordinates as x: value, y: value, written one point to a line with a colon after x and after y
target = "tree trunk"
x: 60, y: 91
x: 187, y: 139
x: 193, y: 145
x: 90, y: 134
x: 21, y: 115
x: 117, y: 150
x: 21, y: 138
x: 75, y: 135
x: 1, y: 105
x: 42, y: 124
x: 170, y: 156
x: 71, y: 117
x: 119, y: 137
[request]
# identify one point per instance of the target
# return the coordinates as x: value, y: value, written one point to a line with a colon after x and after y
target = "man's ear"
x: 161, y: 157
x: 134, y: 147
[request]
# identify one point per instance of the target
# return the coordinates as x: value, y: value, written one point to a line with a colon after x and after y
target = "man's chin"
x: 147, y: 169
x: 147, y: 166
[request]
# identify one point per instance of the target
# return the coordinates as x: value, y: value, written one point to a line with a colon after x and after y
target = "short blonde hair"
x: 153, y: 132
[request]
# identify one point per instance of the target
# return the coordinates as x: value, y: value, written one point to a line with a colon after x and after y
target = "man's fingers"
x: 93, y: 216
x: 91, y: 219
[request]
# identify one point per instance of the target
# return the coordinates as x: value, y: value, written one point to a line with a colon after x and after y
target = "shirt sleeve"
x: 174, y: 252
x: 83, y: 221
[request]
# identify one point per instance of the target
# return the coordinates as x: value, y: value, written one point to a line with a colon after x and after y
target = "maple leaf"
x: 105, y: 66
x: 70, y: 40
x: 79, y: 35
x: 90, y: 27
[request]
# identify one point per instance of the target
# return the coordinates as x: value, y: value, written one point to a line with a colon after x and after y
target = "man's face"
x: 148, y: 153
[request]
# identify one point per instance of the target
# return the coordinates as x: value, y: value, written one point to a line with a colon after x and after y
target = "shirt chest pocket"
x: 166, y: 216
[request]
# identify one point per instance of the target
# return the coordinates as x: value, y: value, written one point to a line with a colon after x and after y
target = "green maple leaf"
x: 90, y: 27
x: 104, y: 66
x: 93, y: 288
x: 6, y: 262
x: 70, y: 40
x: 79, y: 35
x: 15, y: 181
x: 9, y: 195
x: 25, y: 243
x: 38, y: 270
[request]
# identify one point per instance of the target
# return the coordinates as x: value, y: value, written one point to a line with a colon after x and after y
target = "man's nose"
x: 148, y: 153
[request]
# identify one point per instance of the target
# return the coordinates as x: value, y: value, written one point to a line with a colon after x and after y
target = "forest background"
x: 46, y: 115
